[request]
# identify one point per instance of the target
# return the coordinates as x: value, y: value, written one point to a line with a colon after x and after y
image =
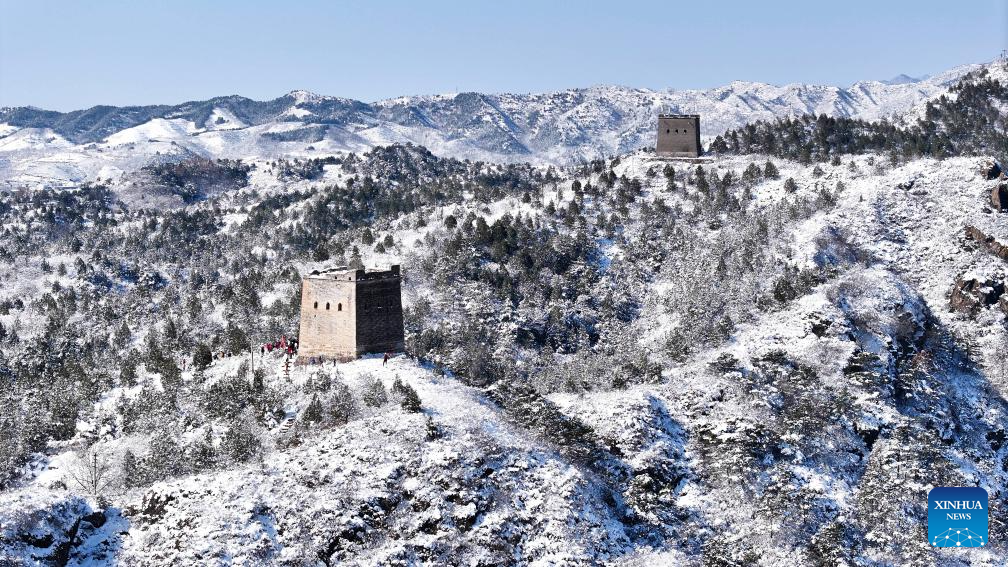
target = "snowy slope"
x: 681, y: 476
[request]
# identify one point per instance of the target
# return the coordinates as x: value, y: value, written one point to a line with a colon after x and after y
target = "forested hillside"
x: 969, y: 120
x: 764, y: 357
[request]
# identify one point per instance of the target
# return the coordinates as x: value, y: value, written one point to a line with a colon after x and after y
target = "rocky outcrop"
x: 988, y: 242
x: 999, y: 197
x: 66, y: 533
x: 991, y: 170
x: 971, y: 295
x: 153, y: 508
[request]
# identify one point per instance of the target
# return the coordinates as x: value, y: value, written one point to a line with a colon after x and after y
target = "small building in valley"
x: 678, y: 136
x: 347, y: 312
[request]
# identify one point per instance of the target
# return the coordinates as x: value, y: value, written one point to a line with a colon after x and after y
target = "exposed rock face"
x: 992, y: 170
x: 971, y: 295
x: 999, y: 198
x: 988, y: 242
x: 153, y: 507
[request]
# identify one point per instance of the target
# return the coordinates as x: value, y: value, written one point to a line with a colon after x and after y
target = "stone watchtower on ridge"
x: 678, y: 136
x: 346, y: 313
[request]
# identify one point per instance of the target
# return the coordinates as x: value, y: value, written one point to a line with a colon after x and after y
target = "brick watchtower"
x: 678, y: 136
x: 346, y: 313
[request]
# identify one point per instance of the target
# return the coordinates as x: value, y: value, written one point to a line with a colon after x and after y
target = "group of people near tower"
x: 284, y: 345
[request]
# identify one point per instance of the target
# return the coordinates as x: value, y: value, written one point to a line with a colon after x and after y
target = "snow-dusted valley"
x: 752, y: 359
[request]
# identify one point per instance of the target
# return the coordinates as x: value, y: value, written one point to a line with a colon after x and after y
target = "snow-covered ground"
x: 460, y: 477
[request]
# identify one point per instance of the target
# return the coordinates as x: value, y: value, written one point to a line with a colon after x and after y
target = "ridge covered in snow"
x: 561, y: 127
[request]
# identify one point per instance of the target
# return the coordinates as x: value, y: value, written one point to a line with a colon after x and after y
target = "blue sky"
x: 65, y: 55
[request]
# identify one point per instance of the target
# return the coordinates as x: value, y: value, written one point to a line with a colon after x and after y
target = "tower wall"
x: 379, y: 316
x: 364, y: 313
x: 332, y: 332
x: 678, y: 136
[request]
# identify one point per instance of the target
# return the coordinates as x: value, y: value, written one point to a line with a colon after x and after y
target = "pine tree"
x: 171, y: 375
x: 433, y: 431
x: 171, y: 331
x: 201, y: 454
x: 258, y: 380
x: 701, y: 181
x: 127, y: 372
x: 752, y: 174
x: 367, y: 237
x: 313, y: 412
x: 669, y: 172
x: 770, y: 171
x: 342, y: 406
x: 131, y: 472
x: 122, y: 335
x: 410, y: 399
x: 165, y: 457
x: 240, y: 443
x: 355, y: 260
x: 374, y: 393
x: 202, y: 357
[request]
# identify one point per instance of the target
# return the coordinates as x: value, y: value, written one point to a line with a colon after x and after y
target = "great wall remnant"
x: 346, y: 313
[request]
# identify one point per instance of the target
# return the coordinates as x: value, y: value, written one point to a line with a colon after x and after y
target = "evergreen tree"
x: 132, y: 475
x: 373, y: 391
x: 752, y: 174
x: 410, y: 399
x: 127, y: 371
x: 669, y: 172
x: 355, y: 260
x: 122, y: 336
x: 367, y: 237
x: 201, y: 453
x: 202, y: 357
x: 240, y: 443
x: 701, y: 181
x: 313, y: 412
x: 164, y: 460
x: 342, y: 406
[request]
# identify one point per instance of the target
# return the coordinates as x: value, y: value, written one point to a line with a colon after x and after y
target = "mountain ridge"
x: 557, y: 127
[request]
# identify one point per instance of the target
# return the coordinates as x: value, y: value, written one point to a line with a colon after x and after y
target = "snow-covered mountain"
x: 751, y: 359
x: 560, y: 127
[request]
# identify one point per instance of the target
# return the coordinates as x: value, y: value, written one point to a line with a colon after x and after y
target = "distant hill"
x: 559, y: 127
